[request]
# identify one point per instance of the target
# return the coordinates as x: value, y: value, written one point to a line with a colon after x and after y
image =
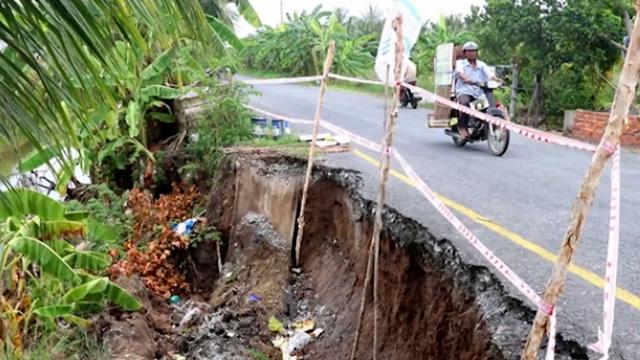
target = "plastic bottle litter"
x: 189, y: 317
x: 275, y: 325
x: 185, y: 227
x: 298, y: 341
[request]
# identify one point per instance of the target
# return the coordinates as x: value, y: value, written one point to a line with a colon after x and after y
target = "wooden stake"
x: 219, y: 251
x: 386, y: 99
x: 374, y: 248
x: 316, y: 124
x: 625, y: 94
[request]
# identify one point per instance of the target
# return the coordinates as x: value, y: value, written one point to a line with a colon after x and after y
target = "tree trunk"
x: 625, y: 94
x: 627, y: 22
x: 515, y: 79
x: 534, y: 115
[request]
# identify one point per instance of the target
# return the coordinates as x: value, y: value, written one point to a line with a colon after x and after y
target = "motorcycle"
x: 445, y: 118
x: 497, y: 138
x: 408, y: 97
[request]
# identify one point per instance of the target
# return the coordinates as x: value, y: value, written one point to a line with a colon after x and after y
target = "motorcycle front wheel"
x: 498, y: 140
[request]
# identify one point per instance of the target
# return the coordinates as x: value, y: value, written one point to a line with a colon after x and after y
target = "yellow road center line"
x: 586, y: 275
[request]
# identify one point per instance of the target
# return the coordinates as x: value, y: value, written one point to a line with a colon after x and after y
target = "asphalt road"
x: 528, y: 193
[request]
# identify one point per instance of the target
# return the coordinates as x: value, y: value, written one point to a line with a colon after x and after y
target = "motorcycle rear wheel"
x: 498, y: 139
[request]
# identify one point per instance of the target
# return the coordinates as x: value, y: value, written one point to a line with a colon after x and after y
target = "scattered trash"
x: 189, y: 318
x: 179, y: 357
x: 295, y: 341
x: 305, y: 325
x: 259, y: 126
x: 274, y: 127
x: 326, y: 144
x: 307, y: 138
x: 229, y: 277
x: 280, y: 127
x: 298, y: 341
x: 254, y: 298
x: 174, y: 299
x: 275, y: 325
x: 341, y: 139
x: 188, y: 313
x: 231, y: 334
x: 317, y: 332
x: 297, y: 270
x: 186, y: 227
x: 326, y: 140
x: 282, y: 343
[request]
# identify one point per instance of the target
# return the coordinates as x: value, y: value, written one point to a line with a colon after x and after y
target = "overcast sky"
x: 269, y: 10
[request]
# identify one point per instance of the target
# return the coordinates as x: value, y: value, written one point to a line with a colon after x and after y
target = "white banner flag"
x: 413, y: 16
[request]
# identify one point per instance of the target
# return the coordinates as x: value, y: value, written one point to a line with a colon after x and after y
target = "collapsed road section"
x: 434, y: 306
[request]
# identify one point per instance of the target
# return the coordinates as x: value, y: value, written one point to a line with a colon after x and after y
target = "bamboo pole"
x: 374, y: 248
x: 312, y: 148
x: 386, y: 98
x: 625, y: 94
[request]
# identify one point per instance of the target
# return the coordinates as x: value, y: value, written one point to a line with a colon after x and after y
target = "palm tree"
x: 216, y: 8
x: 62, y: 73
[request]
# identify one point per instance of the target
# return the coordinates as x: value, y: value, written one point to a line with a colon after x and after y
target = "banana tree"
x: 35, y: 253
x: 436, y: 34
x: 271, y: 48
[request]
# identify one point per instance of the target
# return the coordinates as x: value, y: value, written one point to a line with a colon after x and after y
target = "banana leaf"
x: 121, y: 298
x: 78, y: 293
x: 54, y: 311
x: 133, y: 118
x: 225, y: 33
x: 23, y: 202
x: 43, y: 255
x: 88, y: 260
x: 37, y: 158
x: 249, y: 13
x: 99, y: 231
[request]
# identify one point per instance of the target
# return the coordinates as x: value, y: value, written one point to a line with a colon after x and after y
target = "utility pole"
x: 281, y: 13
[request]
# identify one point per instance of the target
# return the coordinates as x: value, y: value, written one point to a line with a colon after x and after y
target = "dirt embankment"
x: 432, y: 304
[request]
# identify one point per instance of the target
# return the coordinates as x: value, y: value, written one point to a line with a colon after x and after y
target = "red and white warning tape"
x: 282, y: 81
x: 509, y: 274
x: 606, y: 333
x: 356, y: 80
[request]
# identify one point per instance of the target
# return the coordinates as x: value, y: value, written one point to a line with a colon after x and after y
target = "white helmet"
x: 470, y: 45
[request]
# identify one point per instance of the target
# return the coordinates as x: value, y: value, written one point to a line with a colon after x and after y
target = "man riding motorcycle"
x: 410, y: 77
x: 470, y: 73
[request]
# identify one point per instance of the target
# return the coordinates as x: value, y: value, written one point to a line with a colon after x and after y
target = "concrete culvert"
x: 432, y: 304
